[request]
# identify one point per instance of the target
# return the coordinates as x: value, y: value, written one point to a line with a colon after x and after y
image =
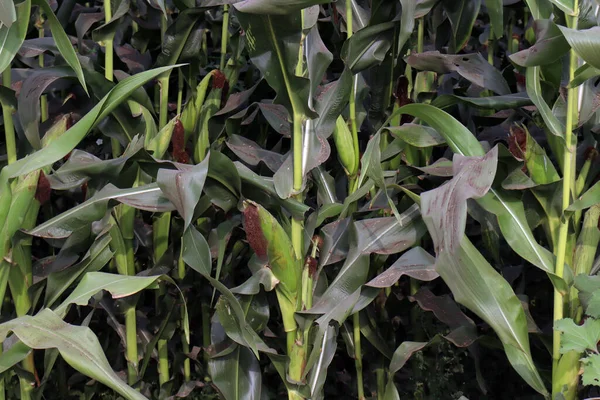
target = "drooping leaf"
x: 368, y: 46
x: 462, y: 15
x: 62, y: 41
x: 509, y: 210
x: 467, y: 273
x: 417, y: 135
x: 67, y: 142
x: 184, y: 187
x: 273, y: 44
x: 446, y: 206
x: 549, y: 46
x: 273, y: 7
x: 12, y: 35
x: 148, y: 197
x: 77, y: 345
x: 585, y: 42
x: 416, y: 263
x: 515, y: 100
x: 472, y: 67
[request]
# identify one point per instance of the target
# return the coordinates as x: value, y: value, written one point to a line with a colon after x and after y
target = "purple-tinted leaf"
x: 416, y: 263
x: 445, y: 208
x: 472, y: 67
x: 251, y: 153
x: 29, y: 99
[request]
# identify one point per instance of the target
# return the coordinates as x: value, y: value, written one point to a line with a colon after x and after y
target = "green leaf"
x: 462, y: 15
x: 184, y: 187
x: 384, y: 235
x: 540, y: 9
x: 495, y: 9
x: 82, y: 166
x: 416, y: 263
x: 148, y: 197
x: 508, y: 209
x: 273, y: 44
x: 368, y: 47
x: 591, y: 370
x: 176, y: 36
x: 28, y: 107
x: 13, y: 35
x: 399, y: 359
x: 78, y: 346
x: 274, y: 7
x: 445, y: 208
x: 549, y: 46
x: 8, y: 15
x: 582, y: 74
x: 96, y: 258
x: 93, y: 282
x: 585, y: 42
x: 472, y: 67
x: 71, y: 138
x: 534, y: 90
x: 417, y: 135
x: 586, y: 200
x: 62, y: 41
x: 578, y: 338
x: 568, y: 6
x: 196, y: 254
x: 515, y: 100
x: 272, y: 244
x: 236, y: 373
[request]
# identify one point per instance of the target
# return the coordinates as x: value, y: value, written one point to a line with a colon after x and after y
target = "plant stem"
x: 43, y: 98
x: 224, y: 36
x: 179, y: 90
x: 354, y: 130
x: 163, y: 115
x: 352, y: 102
x: 185, y: 345
x: 9, y: 127
x: 108, y: 69
x: 567, y: 186
x: 358, y: 356
x: 420, y: 35
x: 297, y: 225
x: 161, y: 228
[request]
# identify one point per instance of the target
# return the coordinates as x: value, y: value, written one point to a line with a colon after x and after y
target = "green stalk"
x: 352, y: 105
x: 161, y: 228
x: 108, y: 69
x: 43, y: 98
x: 9, y: 127
x: 352, y: 102
x: 358, y: 356
x: 179, y: 90
x: 163, y: 115
x: 420, y: 34
x: 224, y: 36
x: 568, y: 185
x: 296, y: 345
x: 187, y: 370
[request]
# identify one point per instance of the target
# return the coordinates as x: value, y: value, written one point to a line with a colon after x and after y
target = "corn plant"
x: 306, y: 199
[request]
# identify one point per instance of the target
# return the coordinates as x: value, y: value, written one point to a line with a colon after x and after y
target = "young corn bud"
x: 345, y: 147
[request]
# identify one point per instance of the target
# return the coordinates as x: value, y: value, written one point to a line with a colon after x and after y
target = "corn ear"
x: 345, y: 147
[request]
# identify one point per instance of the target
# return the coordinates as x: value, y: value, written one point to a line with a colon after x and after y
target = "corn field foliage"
x: 302, y: 199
